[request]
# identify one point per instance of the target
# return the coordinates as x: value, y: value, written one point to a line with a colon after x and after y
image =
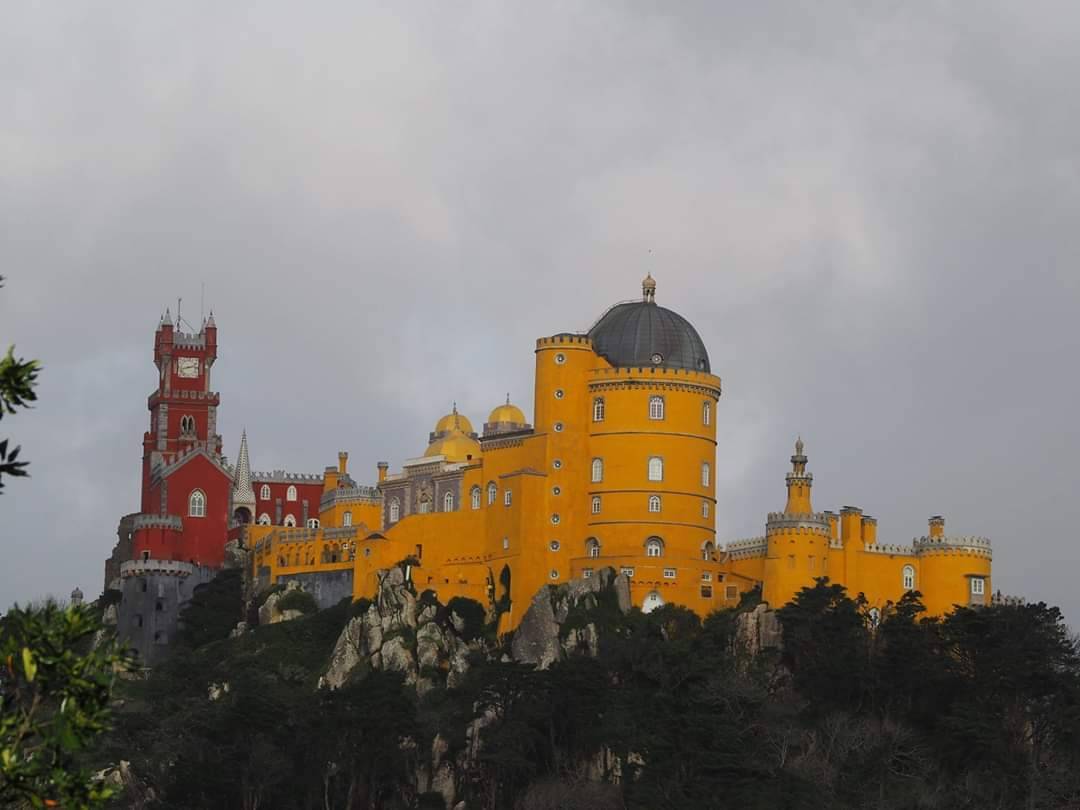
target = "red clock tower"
x: 185, y: 483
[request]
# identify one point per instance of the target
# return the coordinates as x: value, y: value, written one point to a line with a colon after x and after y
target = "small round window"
x: 657, y: 358
x: 554, y: 574
x: 554, y: 545
x: 559, y: 393
x: 558, y: 427
x: 555, y: 519
x: 560, y: 358
x: 557, y: 464
x: 556, y: 491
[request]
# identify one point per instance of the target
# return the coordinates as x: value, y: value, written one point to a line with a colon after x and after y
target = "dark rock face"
x: 539, y: 638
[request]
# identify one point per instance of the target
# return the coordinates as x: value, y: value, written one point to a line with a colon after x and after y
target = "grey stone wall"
x: 122, y: 551
x: 328, y: 587
x: 149, y: 613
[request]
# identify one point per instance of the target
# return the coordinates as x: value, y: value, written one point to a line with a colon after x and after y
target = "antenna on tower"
x: 202, y: 301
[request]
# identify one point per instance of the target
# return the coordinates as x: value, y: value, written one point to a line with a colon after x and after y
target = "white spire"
x: 243, y: 494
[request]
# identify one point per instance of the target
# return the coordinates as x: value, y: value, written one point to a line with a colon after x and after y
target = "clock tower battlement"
x: 183, y: 408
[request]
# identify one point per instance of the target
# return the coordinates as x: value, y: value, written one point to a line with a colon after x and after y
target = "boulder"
x: 348, y: 652
x: 758, y: 629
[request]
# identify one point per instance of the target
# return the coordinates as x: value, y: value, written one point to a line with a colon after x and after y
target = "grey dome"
x: 633, y: 333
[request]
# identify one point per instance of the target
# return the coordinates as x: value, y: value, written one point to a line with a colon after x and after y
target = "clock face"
x: 187, y: 367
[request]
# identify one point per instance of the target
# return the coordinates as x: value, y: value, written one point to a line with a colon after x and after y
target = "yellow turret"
x: 799, y: 482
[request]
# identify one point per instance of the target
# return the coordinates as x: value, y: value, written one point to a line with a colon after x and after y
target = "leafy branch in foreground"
x: 55, y: 687
x: 17, y: 380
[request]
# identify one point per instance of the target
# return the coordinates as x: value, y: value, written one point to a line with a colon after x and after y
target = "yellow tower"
x: 798, y: 538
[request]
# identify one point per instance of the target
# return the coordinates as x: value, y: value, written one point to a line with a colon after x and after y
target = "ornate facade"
x: 616, y: 470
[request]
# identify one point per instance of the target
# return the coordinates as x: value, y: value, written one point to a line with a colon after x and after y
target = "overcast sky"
x: 869, y: 210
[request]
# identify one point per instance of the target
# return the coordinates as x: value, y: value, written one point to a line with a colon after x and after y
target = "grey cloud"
x: 867, y: 210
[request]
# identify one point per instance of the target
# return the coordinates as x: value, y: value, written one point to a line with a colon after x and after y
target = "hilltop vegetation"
x: 981, y: 709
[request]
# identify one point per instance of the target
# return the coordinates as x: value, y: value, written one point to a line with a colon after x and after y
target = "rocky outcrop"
x: 129, y: 788
x: 758, y: 629
x: 544, y: 637
x: 400, y: 633
x: 271, y: 613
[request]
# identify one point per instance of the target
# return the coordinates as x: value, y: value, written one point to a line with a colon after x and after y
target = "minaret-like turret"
x: 798, y: 538
x: 243, y: 494
x: 799, y: 482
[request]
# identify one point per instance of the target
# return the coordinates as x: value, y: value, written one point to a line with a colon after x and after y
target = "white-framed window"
x: 290, y: 522
x: 555, y: 519
x: 654, y: 547
x: 448, y: 502
x: 654, y: 503
x: 346, y: 519
x: 493, y: 492
x: 290, y: 493
x: 706, y: 576
x: 507, y: 498
x: 554, y: 574
x: 704, y: 509
x: 669, y: 573
x: 707, y: 550
x: 557, y: 464
x: 656, y: 408
x: 559, y: 393
x: 598, y: 409
x: 586, y: 573
x: 187, y: 424
x: 596, y: 504
x: 627, y: 571
x: 395, y: 510
x: 592, y: 547
x: 425, y: 506
x: 706, y: 473
x: 597, y: 470
x: 706, y: 413
x: 474, y: 497
x: 554, y: 545
x: 197, y: 504
x: 656, y: 468
x: 560, y: 358
x: 558, y: 427
x: 909, y: 577
x: 506, y: 542
x: 264, y: 492
x: 313, y: 523
x: 264, y: 519
x: 978, y: 586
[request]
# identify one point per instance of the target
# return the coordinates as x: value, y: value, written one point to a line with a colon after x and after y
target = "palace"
x: 616, y: 470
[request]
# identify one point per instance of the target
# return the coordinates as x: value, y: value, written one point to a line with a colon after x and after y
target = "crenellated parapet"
x: 747, y: 548
x: 342, y: 495
x: 564, y: 339
x: 282, y: 477
x: 935, y: 546
x: 142, y: 568
x: 816, y: 523
x: 890, y: 549
x: 170, y: 522
x: 188, y: 340
x: 655, y: 377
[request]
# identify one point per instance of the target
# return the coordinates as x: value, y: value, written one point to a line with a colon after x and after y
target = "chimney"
x: 937, y: 527
x: 383, y: 467
x: 343, y: 462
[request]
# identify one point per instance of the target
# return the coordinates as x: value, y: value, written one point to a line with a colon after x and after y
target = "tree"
x: 55, y: 688
x: 17, y: 380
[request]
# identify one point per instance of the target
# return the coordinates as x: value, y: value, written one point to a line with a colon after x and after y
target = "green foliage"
x: 214, y: 610
x: 55, y: 690
x: 17, y: 380
x: 979, y: 709
x: 298, y: 600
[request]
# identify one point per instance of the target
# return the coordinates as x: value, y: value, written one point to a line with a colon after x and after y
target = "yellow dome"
x: 507, y: 414
x: 454, y: 421
x: 456, y: 446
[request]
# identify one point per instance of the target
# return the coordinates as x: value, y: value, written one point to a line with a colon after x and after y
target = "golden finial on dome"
x: 648, y: 288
